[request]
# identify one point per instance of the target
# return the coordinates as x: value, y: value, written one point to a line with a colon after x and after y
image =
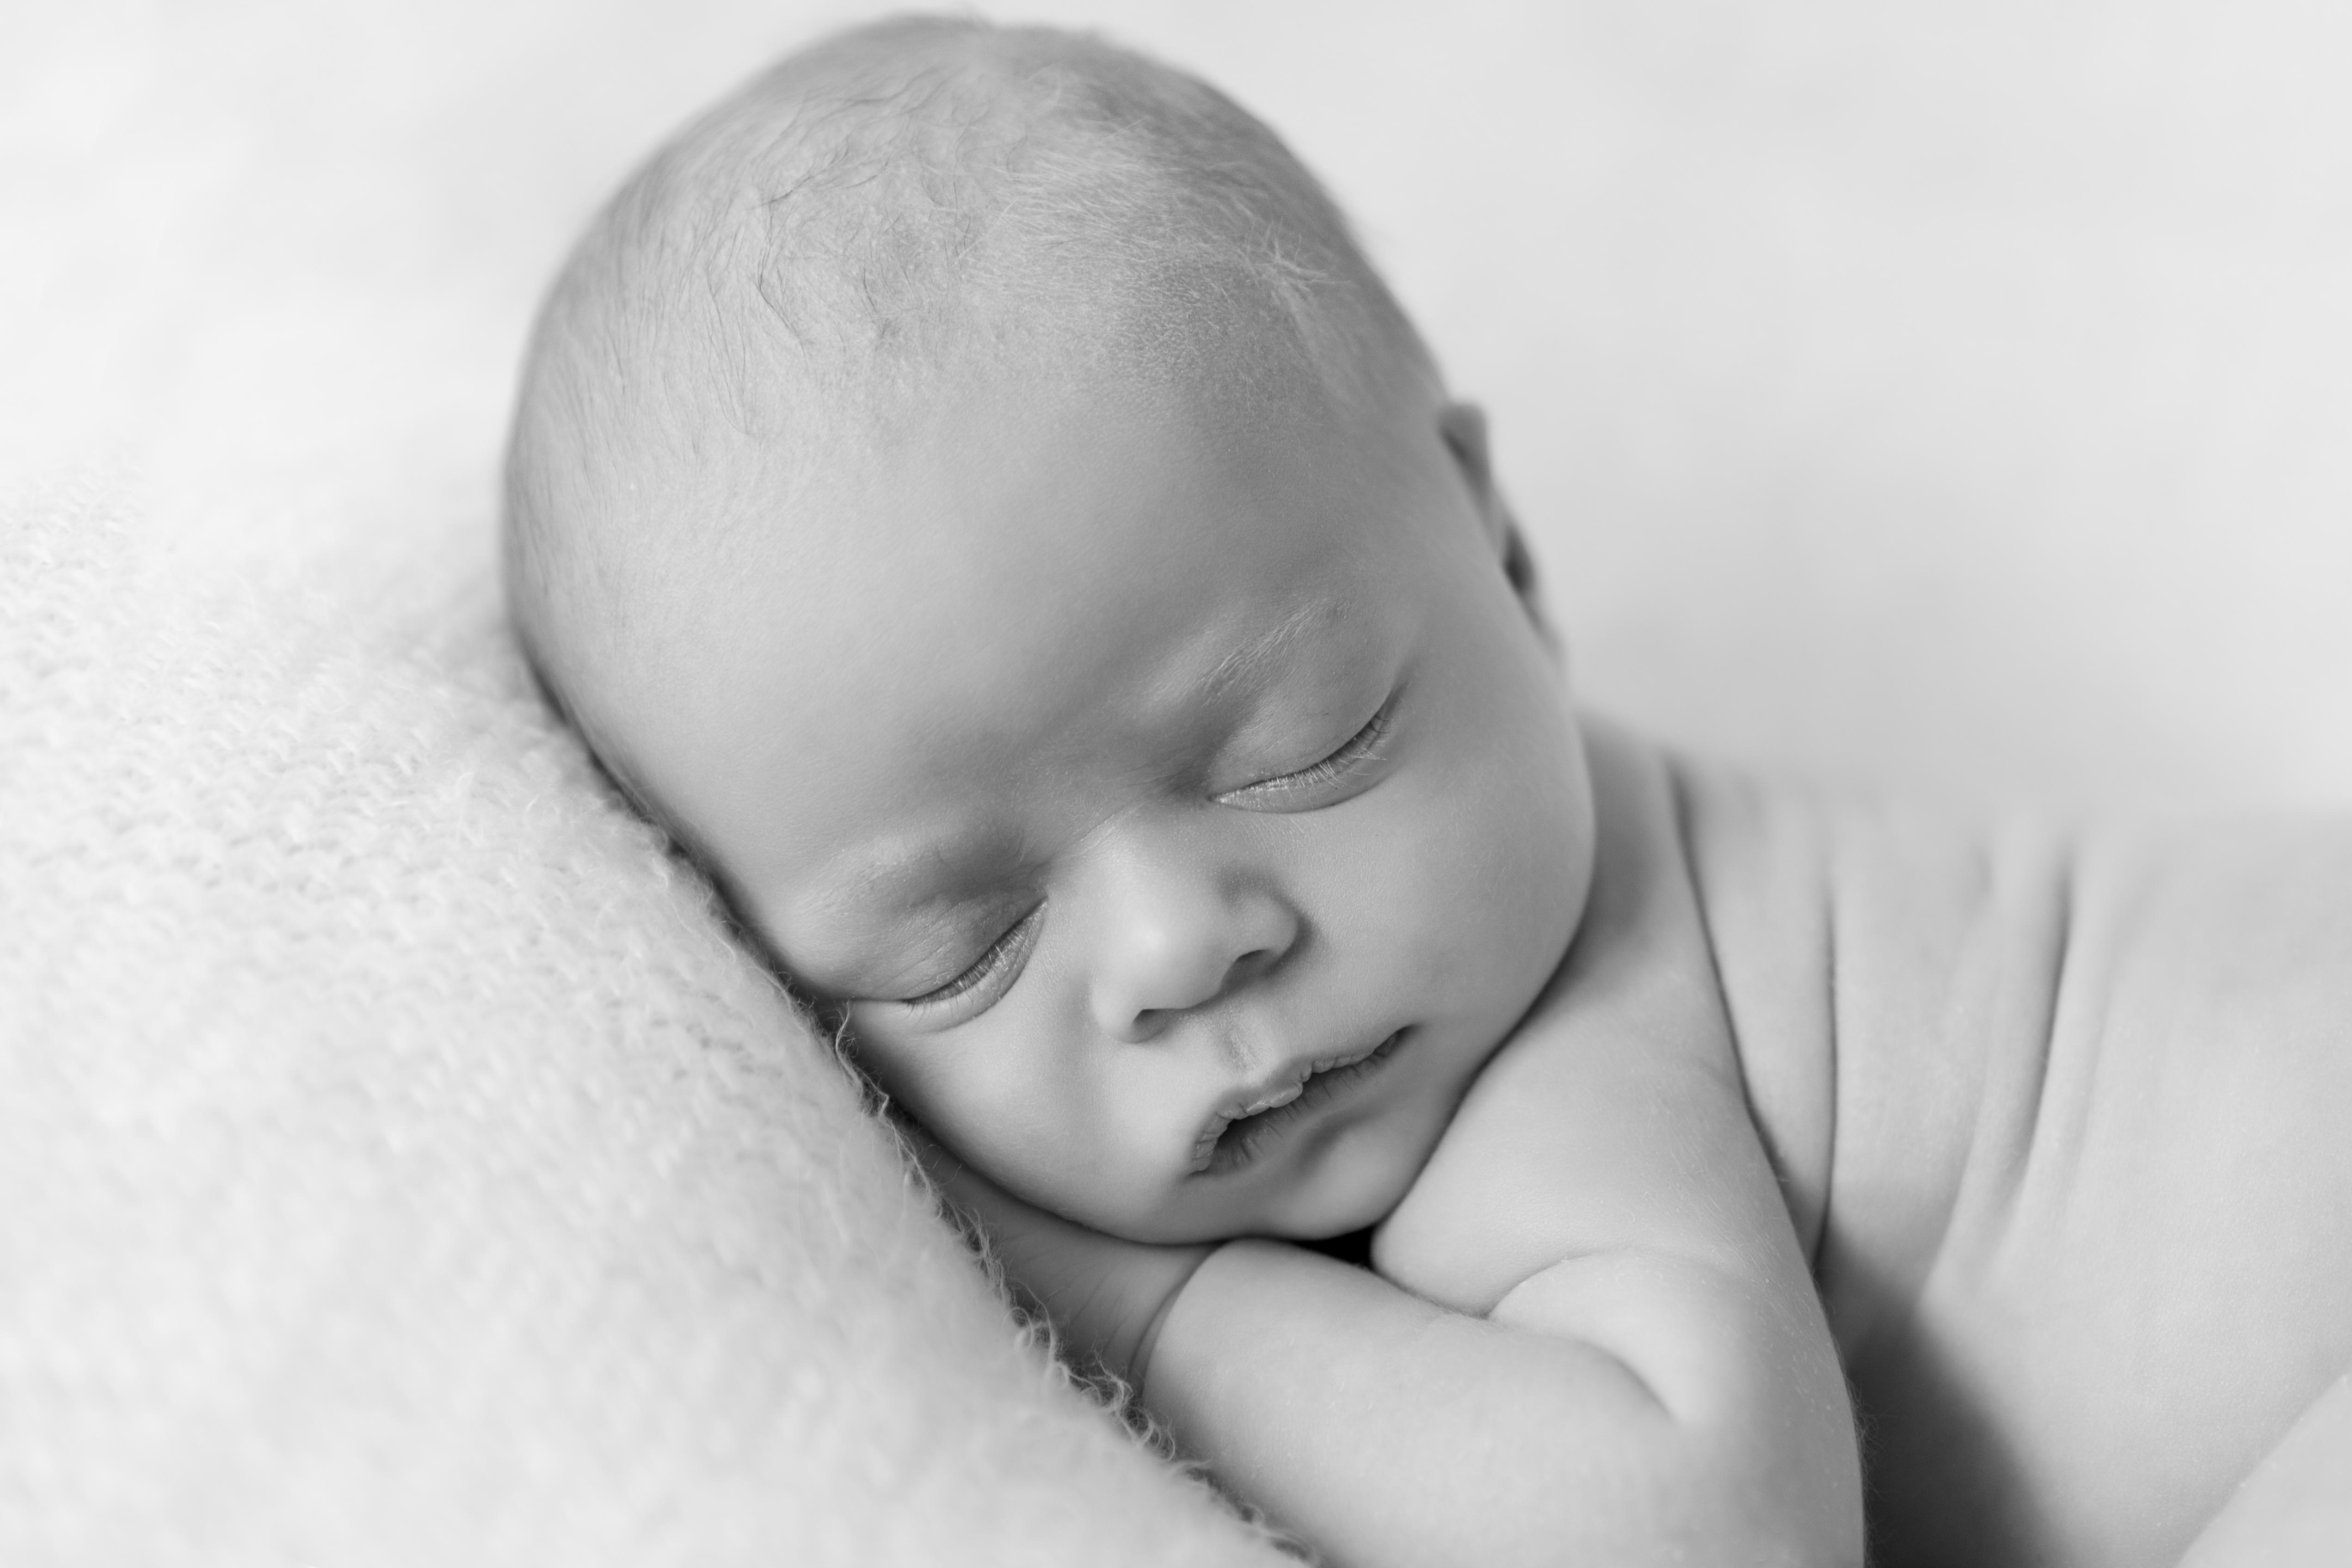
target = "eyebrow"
x: 908, y: 879
x: 1250, y: 664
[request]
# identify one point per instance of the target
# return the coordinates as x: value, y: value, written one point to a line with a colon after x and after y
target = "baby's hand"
x: 1105, y: 1296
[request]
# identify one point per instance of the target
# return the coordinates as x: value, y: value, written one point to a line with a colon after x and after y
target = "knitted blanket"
x: 398, y: 1164
x: 401, y: 1166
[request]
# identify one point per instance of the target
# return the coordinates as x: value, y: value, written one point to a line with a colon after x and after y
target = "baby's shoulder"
x: 1873, y: 894
x: 1961, y: 965
x: 2066, y: 1105
x: 1887, y: 968
x: 1924, y: 987
x: 1828, y: 908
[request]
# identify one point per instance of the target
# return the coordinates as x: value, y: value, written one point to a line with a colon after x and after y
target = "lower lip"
x: 1244, y: 1140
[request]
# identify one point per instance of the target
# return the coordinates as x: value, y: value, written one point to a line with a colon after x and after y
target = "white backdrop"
x: 1952, y: 395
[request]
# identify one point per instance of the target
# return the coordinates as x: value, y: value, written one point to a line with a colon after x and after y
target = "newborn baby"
x: 970, y: 489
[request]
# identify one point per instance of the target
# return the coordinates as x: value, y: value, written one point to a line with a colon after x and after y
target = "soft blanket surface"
x: 398, y: 1163
x: 401, y: 1166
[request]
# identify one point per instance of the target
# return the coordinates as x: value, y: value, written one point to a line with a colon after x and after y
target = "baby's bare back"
x: 2066, y: 1123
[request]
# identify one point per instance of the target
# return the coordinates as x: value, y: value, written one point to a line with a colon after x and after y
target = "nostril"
x: 1249, y: 966
x: 1148, y: 1022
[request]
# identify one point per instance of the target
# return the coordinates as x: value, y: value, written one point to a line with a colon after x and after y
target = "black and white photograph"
x: 1175, y: 783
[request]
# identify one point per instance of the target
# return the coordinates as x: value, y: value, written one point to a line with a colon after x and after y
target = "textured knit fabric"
x: 400, y: 1166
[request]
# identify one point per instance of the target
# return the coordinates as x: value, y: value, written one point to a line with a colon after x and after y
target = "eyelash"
x: 1005, y: 950
x: 1353, y: 750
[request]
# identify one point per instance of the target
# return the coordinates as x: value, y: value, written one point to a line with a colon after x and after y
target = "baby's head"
x: 971, y: 488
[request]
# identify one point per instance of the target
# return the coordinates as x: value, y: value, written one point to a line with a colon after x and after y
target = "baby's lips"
x: 1288, y: 1086
x: 1249, y: 1102
x: 1266, y: 1103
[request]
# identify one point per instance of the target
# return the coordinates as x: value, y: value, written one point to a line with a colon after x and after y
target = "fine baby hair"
x: 820, y: 252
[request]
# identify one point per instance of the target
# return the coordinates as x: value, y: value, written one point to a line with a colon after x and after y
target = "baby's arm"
x: 1592, y: 1335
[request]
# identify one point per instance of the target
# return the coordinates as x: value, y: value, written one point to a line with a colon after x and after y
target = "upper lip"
x: 1277, y: 1088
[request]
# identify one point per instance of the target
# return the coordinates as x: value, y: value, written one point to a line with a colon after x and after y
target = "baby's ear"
x: 1463, y: 427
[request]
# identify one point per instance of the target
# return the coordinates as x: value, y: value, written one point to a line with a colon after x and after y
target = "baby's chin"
x: 1316, y: 1219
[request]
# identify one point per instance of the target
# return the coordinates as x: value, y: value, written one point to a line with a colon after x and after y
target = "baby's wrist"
x: 1182, y: 1263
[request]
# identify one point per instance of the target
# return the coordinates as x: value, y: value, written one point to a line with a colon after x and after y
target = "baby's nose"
x: 1176, y: 942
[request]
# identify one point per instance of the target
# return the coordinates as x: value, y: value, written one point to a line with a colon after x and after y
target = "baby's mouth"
x: 1240, y: 1128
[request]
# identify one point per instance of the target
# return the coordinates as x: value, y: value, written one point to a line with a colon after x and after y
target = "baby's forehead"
x: 1034, y: 577
x: 1028, y: 431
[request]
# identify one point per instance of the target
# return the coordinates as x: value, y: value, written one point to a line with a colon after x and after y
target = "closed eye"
x: 990, y: 973
x: 1302, y: 787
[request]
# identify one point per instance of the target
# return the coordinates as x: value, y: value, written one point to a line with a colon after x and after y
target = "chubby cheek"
x: 1484, y: 857
x: 1035, y: 1119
